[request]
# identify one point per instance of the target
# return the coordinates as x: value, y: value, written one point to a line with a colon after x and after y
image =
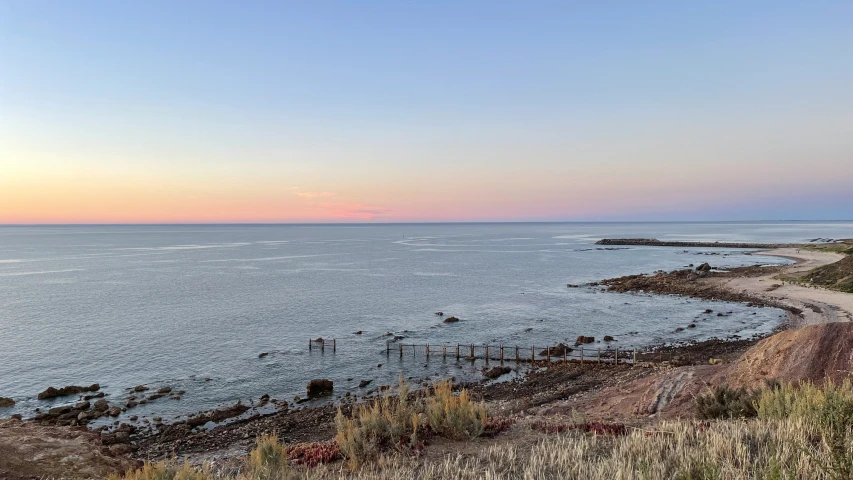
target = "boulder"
x: 164, y: 390
x: 364, y: 383
x: 582, y: 340
x: 557, y: 350
x: 451, y: 320
x: 608, y: 338
x: 84, y: 405
x: 705, y: 267
x: 319, y: 387
x: 708, y: 310
x: 6, y: 402
x: 440, y: 314
x: 692, y: 325
x: 496, y: 372
x: 263, y: 354
x: 114, y: 412
x: 679, y: 329
x: 52, y: 392
x: 140, y: 388
x: 102, y: 405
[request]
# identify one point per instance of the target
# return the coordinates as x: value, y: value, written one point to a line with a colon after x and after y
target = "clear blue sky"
x: 399, y: 111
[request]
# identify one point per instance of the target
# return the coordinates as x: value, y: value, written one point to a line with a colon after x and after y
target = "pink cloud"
x: 315, y: 194
x: 353, y: 210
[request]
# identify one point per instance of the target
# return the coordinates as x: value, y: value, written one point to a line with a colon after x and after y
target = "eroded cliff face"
x: 30, y: 451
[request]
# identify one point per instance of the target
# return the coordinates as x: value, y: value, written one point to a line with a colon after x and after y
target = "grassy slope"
x: 836, y: 276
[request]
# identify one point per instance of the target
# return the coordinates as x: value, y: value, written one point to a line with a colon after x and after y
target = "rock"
x: 679, y: 329
x: 705, y: 267
x: 130, y: 404
x: 708, y: 310
x: 557, y: 350
x: 134, y: 418
x: 692, y: 325
x: 496, y: 372
x: 358, y: 332
x: 92, y: 397
x: 164, y: 390
x: 440, y: 314
x: 364, y: 383
x: 102, y: 405
x: 528, y: 329
x: 571, y: 285
x: 6, y: 402
x: 17, y: 416
x: 398, y: 337
x: 59, y: 410
x: 721, y: 314
x: 451, y: 320
x: 155, y: 396
x: 608, y: 338
x: 263, y: 354
x: 319, y: 387
x: 582, y: 340
x: 713, y: 361
x: 84, y: 405
x: 82, y: 416
x: 319, y: 340
x: 140, y: 388
x: 64, y: 391
x: 114, y: 412
x: 121, y: 449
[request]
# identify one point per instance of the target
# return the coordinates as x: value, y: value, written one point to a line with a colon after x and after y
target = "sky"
x: 186, y: 111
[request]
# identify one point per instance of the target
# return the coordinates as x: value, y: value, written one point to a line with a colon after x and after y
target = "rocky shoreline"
x: 694, y: 283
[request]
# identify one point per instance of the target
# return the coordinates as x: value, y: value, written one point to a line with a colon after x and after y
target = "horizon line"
x: 475, y: 222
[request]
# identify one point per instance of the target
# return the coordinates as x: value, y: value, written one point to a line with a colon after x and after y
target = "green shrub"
x: 727, y: 403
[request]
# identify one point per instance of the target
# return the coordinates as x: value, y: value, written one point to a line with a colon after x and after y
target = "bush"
x: 165, y: 470
x: 453, y: 416
x: 384, y: 424
x: 268, y: 460
x: 727, y: 403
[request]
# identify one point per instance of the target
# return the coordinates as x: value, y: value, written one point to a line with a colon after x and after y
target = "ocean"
x: 193, y: 306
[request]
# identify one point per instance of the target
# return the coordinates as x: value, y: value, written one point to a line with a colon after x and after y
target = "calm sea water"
x: 173, y: 305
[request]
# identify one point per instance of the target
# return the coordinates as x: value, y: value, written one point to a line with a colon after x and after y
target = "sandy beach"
x: 818, y: 305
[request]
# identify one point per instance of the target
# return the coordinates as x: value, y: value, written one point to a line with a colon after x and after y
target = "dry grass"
x: 802, y: 432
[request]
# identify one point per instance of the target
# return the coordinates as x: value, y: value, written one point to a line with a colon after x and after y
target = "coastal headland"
x: 662, y: 385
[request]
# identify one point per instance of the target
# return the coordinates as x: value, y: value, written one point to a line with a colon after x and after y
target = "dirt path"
x: 818, y: 305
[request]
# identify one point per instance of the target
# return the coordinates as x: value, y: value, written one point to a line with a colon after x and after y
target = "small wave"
x: 40, y: 272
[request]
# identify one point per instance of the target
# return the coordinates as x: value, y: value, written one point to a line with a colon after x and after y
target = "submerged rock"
x: 6, y: 402
x: 451, y: 320
x: 52, y: 392
x: 582, y: 340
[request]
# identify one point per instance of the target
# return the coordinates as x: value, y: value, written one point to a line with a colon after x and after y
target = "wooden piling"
x: 532, y: 355
x: 635, y: 356
x: 548, y: 354
x: 487, y: 352
x: 310, y: 344
x: 323, y: 345
x: 334, y: 345
x: 444, y: 352
x: 516, y: 354
x: 581, y: 355
x: 599, y: 355
x: 472, y: 351
x: 502, y: 353
x: 401, y: 349
x: 565, y: 355
x: 427, y: 350
x: 457, y: 351
x: 617, y: 355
